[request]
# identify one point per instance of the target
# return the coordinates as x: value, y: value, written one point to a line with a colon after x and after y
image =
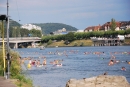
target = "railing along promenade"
x: 106, y: 41
x: 96, y: 39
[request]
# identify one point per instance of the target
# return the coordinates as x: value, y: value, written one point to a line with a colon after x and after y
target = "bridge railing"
x: 22, y: 38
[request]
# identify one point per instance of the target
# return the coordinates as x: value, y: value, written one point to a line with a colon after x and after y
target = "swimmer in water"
x: 123, y: 68
x: 111, y: 62
x: 44, y: 62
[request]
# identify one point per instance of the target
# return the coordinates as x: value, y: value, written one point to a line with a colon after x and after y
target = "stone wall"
x: 99, y: 81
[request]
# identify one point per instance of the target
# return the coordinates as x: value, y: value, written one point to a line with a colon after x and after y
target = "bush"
x: 81, y: 44
x: 49, y: 42
x: 75, y: 44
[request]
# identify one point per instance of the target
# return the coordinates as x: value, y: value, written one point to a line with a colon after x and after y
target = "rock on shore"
x: 99, y: 81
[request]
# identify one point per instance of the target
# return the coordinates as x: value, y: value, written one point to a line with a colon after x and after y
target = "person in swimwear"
x: 123, y: 68
x: 44, y: 62
x: 111, y: 62
x: 128, y: 62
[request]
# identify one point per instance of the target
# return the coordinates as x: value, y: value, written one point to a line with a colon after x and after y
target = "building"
x: 30, y: 27
x: 80, y: 30
x: 121, y: 25
x: 92, y: 28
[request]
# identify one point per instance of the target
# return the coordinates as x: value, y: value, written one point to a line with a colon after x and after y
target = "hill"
x: 14, y: 23
x: 51, y: 27
x: 46, y: 27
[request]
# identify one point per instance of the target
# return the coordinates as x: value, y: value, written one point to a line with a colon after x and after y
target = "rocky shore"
x: 99, y: 81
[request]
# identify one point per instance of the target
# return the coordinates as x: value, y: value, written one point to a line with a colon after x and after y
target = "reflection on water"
x: 76, y: 64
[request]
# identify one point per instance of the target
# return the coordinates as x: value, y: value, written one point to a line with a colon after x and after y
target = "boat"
x: 42, y: 47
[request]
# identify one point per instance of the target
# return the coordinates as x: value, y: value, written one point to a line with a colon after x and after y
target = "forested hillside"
x: 46, y: 27
x: 14, y: 23
x: 51, y: 27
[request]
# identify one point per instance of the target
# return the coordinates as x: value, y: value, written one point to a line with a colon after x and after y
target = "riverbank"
x: 16, y: 76
x: 77, y: 43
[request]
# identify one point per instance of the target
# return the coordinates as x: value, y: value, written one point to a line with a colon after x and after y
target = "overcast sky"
x: 77, y: 13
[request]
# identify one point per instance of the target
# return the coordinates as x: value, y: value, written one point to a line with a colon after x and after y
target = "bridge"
x: 13, y: 42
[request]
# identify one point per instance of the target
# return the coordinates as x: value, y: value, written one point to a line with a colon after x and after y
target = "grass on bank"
x: 15, y: 70
x: 79, y: 43
x: 127, y: 41
x: 73, y: 43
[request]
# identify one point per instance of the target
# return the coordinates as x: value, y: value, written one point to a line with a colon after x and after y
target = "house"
x: 121, y: 25
x: 106, y: 26
x: 125, y: 25
x: 92, y: 28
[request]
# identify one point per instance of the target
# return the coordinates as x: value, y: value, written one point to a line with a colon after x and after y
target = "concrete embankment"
x: 99, y: 81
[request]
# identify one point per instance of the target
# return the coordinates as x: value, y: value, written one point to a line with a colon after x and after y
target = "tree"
x: 0, y: 29
x: 69, y: 36
x: 113, y: 24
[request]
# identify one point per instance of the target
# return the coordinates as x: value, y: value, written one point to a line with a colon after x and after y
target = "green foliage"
x: 81, y: 44
x: 78, y: 35
x: 15, y: 68
x: 35, y: 33
x: 49, y: 42
x: 127, y: 31
x: 51, y: 27
x: 121, y: 32
x: 14, y: 23
x: 24, y: 32
x: 69, y: 36
x: 75, y: 44
x: 1, y: 63
x: 21, y: 32
x: 1, y: 70
x: 84, y: 35
x: 113, y: 24
x: 0, y: 29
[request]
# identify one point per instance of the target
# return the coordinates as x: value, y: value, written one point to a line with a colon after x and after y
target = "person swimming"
x: 111, y: 62
x: 123, y: 68
x: 44, y: 62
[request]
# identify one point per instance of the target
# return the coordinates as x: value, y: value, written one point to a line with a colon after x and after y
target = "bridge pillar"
x: 16, y: 46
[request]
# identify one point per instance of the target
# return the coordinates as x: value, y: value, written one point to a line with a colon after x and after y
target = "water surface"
x: 76, y: 64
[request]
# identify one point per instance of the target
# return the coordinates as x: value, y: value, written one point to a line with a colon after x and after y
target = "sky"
x: 77, y: 13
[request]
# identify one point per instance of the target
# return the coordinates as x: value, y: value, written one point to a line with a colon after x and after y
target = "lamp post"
x: 8, y: 55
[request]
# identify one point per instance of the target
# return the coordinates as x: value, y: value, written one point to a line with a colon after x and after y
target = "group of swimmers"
x: 36, y: 63
x: 114, y: 61
x: 58, y: 62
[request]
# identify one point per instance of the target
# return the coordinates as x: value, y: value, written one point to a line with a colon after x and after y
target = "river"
x: 75, y: 64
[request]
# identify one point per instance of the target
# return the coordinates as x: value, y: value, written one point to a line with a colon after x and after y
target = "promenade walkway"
x: 6, y: 82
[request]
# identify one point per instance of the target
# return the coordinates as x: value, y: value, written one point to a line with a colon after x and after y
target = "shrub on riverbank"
x: 73, y: 43
x: 127, y: 41
x: 15, y: 70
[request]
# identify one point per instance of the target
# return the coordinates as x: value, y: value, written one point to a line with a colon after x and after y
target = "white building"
x: 80, y: 30
x: 30, y: 27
